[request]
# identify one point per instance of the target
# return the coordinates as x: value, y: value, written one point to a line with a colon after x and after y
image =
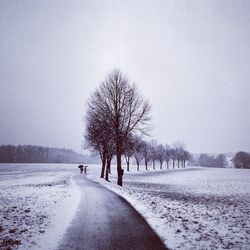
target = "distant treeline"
x: 239, y: 160
x: 242, y: 160
x: 38, y: 154
x: 219, y: 161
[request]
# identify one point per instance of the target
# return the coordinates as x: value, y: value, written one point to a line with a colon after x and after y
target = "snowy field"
x: 192, y: 208
x: 37, y: 203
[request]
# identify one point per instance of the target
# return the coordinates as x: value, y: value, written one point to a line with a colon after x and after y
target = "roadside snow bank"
x: 194, y: 208
x: 132, y: 198
x: 36, y: 209
x: 61, y: 217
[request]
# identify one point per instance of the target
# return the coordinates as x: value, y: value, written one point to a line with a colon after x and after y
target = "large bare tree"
x: 97, y: 138
x: 120, y: 102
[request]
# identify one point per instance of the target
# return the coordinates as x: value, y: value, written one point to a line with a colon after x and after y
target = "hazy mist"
x: 191, y: 59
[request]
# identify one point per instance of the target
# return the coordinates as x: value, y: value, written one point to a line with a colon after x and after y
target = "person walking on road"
x: 85, y: 169
x: 81, y: 168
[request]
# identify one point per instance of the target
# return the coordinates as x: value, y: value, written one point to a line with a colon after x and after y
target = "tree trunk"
x: 173, y: 163
x: 167, y: 164
x: 138, y: 166
x: 178, y: 163
x: 108, y: 170
x: 160, y: 164
x: 119, y: 168
x: 146, y: 164
x: 154, y: 164
x: 103, y: 168
x: 184, y: 164
x: 110, y: 167
x: 128, y: 164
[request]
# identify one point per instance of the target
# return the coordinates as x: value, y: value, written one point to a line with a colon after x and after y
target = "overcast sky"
x: 191, y: 59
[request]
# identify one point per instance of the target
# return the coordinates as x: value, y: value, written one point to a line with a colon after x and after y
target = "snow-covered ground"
x: 192, y: 208
x: 37, y: 203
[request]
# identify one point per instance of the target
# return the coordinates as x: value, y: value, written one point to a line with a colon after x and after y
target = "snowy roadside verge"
x: 193, y: 208
x: 130, y: 197
x: 61, y: 218
x: 36, y: 209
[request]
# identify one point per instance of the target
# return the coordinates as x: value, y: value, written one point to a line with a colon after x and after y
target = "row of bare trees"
x: 117, y: 119
x: 144, y: 152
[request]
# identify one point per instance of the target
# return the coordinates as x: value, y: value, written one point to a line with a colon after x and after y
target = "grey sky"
x: 191, y: 59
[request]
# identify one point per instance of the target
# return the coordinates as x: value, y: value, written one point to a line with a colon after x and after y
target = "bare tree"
x: 205, y: 160
x: 122, y: 105
x: 128, y: 149
x: 138, y: 151
x: 185, y: 156
x: 108, y: 167
x: 212, y: 161
x: 160, y: 154
x: 173, y: 156
x: 167, y: 155
x: 153, y: 149
x: 179, y: 149
x: 146, y: 153
x: 96, y: 139
x: 242, y: 160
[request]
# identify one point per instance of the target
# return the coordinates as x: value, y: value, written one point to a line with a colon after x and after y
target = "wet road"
x: 105, y: 221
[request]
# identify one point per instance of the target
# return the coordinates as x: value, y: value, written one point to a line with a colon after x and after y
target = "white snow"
x: 193, y: 208
x: 37, y: 203
x: 61, y: 217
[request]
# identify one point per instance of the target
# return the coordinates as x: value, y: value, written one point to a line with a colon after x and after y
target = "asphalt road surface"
x: 105, y: 221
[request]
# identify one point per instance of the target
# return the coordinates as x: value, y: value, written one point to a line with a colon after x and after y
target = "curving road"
x: 105, y: 221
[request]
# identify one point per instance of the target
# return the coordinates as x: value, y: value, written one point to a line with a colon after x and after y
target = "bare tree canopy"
x: 116, y: 120
x: 138, y: 151
x: 97, y: 138
x: 118, y: 105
